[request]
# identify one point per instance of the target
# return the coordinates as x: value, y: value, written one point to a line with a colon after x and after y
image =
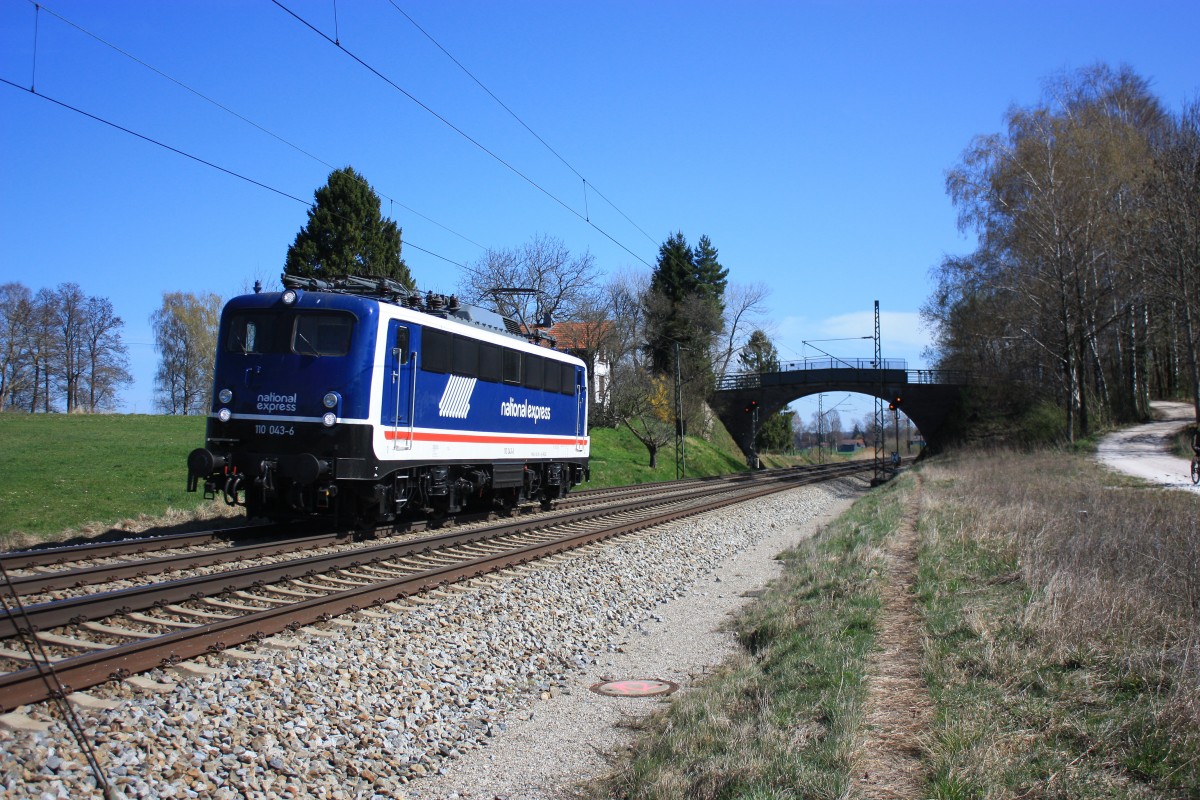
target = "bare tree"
x: 67, y: 312
x: 1051, y: 200
x: 59, y: 349
x: 16, y: 311
x: 745, y: 307
x: 1172, y: 249
x: 623, y: 295
x: 560, y: 284
x: 104, y: 356
x: 185, y: 334
x: 43, y: 351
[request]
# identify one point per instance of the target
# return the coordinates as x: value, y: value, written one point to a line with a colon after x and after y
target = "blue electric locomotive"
x: 359, y: 400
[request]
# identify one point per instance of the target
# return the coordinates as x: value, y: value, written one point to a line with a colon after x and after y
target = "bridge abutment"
x: 927, y: 397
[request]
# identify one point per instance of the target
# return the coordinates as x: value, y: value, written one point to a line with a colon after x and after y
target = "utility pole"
x: 820, y: 428
x: 754, y: 434
x: 880, y: 420
x: 896, y: 421
x: 680, y: 440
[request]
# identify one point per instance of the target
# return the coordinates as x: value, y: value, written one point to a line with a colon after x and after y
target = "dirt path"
x: 898, y: 709
x: 1144, y: 450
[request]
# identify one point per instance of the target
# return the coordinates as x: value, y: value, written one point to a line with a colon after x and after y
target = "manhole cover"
x: 635, y: 688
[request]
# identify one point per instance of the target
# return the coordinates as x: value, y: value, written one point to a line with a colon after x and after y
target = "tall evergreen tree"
x: 670, y: 285
x: 347, y: 235
x: 684, y: 306
x: 708, y: 275
x: 674, y: 275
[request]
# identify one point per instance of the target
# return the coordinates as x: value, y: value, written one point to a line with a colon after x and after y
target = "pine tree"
x: 684, y: 306
x: 672, y: 276
x: 708, y: 275
x: 347, y: 235
x: 759, y: 354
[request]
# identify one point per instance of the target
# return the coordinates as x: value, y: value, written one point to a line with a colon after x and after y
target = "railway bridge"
x: 926, y: 396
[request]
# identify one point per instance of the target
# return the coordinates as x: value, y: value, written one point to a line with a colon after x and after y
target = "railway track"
x: 74, y: 643
x: 34, y: 573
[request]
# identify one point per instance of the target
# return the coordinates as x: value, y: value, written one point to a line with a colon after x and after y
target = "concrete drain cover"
x: 635, y: 688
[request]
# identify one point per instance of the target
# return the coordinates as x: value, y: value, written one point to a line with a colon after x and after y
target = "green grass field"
x: 86, y: 472
x: 61, y: 472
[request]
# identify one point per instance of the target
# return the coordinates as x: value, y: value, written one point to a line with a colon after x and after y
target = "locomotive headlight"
x: 225, y: 395
x: 329, y: 419
x: 224, y: 415
x: 289, y: 297
x: 330, y: 400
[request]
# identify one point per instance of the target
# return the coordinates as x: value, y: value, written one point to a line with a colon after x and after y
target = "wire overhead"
x: 454, y: 127
x: 235, y: 114
x: 532, y: 132
x: 335, y: 41
x: 195, y: 158
x: 37, y: 18
x: 522, y: 122
x: 145, y: 138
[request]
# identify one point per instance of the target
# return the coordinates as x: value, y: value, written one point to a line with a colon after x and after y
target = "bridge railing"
x: 842, y: 363
x: 952, y: 377
x: 865, y: 372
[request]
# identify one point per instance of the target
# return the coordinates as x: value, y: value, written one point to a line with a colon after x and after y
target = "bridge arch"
x: 927, y: 396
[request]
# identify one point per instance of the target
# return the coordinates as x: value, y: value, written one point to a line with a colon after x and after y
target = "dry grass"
x: 1063, y: 609
x: 1056, y: 626
x: 889, y: 763
x: 782, y: 719
x: 173, y: 520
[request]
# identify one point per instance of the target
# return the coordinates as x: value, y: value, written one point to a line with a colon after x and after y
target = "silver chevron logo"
x: 456, y: 400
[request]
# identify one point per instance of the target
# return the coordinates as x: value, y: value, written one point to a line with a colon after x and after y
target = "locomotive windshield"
x: 309, y: 333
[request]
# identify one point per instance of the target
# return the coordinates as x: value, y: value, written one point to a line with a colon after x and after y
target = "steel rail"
x: 52, y: 556
x: 86, y: 608
x: 76, y: 673
x: 101, y: 573
x: 133, y: 544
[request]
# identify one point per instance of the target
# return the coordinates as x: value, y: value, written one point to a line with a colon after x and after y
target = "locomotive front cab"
x: 291, y: 376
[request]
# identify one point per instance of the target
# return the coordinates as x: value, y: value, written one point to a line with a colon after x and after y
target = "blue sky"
x: 808, y: 140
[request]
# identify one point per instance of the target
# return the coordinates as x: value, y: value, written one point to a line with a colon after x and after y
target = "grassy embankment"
x: 1060, y: 608
x: 87, y: 473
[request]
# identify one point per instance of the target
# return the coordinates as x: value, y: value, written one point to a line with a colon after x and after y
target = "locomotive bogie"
x: 332, y: 403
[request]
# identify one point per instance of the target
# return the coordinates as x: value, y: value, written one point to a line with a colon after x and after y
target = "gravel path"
x: 1144, y: 450
x: 475, y: 693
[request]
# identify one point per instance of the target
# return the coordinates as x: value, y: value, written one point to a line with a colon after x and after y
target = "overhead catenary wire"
x: 195, y: 158
x: 37, y: 18
x: 523, y: 124
x: 455, y: 128
x: 33, y: 90
x: 54, y: 688
x: 233, y: 113
x: 150, y: 140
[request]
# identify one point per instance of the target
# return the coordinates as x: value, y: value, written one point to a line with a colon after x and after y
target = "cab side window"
x: 535, y: 371
x: 435, y: 350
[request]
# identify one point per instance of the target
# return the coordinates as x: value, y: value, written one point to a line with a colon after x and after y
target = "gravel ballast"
x: 478, y: 692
